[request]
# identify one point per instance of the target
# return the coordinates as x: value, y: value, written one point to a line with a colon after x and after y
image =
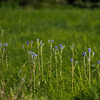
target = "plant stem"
x: 72, y: 75
x: 34, y: 79
x: 38, y: 59
x: 42, y: 63
x: 50, y: 61
x: 61, y: 64
x: 89, y: 69
x: 56, y: 67
x: 84, y: 65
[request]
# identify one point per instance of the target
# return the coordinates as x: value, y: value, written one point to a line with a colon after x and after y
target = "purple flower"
x: 20, y: 71
x: 4, y: 49
x: 22, y: 45
x: 93, y: 65
x: 41, y: 43
x: 31, y: 41
x: 0, y: 44
x: 98, y: 62
x: 5, y: 44
x: 29, y: 51
x: 71, y: 60
x: 34, y: 55
x: 84, y: 53
x: 89, y: 49
x: 27, y: 42
x: 72, y: 44
x: 56, y: 47
x: 51, y: 40
x: 37, y: 39
x: 60, y: 45
x: 76, y: 62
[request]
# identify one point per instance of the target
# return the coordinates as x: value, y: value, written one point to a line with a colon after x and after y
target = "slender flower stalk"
x: 28, y: 51
x: 84, y: 54
x: 72, y: 61
x: 34, y: 65
x: 50, y: 42
x: 5, y: 44
x: 31, y: 44
x: 55, y: 52
x: 42, y: 44
x: 0, y: 52
x: 38, y: 44
x: 61, y: 50
x: 89, y: 66
x: 98, y: 70
x: 72, y: 73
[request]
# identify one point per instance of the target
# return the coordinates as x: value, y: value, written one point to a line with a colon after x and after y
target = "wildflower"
x: 56, y: 47
x: 22, y: 45
x: 89, y: 49
x: 4, y: 49
x: 20, y: 71
x: 0, y: 44
x: 93, y: 65
x: 98, y: 62
x: 93, y: 53
x: 27, y: 42
x: 51, y: 40
x: 37, y: 39
x: 5, y: 44
x: 60, y: 45
x: 71, y: 60
x: 41, y: 43
x: 35, y: 55
x: 31, y: 41
x: 72, y: 44
x: 29, y: 51
x: 84, y: 53
x: 76, y: 62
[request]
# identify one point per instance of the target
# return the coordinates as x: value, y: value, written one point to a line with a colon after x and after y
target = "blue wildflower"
x: 27, y: 42
x: 60, y: 45
x: 71, y: 60
x: 56, y: 47
x: 89, y: 49
x: 98, y: 62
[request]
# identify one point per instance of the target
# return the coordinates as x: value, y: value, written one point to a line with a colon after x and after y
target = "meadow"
x: 49, y: 54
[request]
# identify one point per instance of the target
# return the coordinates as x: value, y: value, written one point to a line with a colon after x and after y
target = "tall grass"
x: 27, y: 77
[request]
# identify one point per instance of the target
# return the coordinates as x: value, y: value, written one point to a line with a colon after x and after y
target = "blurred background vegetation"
x: 50, y: 3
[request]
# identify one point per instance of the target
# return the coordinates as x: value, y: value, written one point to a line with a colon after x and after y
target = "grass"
x: 65, y: 26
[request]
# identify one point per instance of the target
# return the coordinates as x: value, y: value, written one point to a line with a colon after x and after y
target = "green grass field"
x: 80, y: 27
